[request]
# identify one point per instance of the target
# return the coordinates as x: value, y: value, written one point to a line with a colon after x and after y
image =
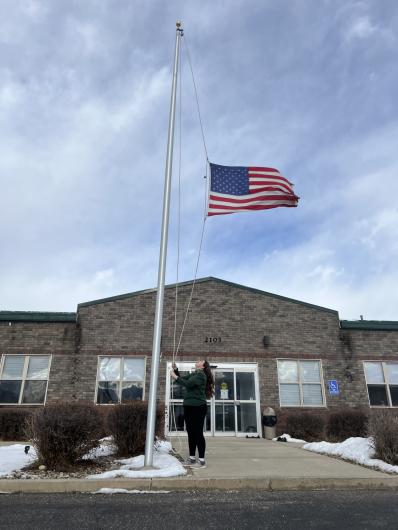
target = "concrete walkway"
x: 285, y: 466
x: 253, y: 458
x: 236, y: 463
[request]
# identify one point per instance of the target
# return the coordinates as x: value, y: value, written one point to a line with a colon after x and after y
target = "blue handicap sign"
x: 333, y: 388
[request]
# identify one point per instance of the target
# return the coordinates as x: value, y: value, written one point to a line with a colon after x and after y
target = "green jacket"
x: 195, y: 385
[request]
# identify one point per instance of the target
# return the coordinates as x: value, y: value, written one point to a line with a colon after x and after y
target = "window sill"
x: 383, y: 406
x: 21, y: 404
x: 303, y: 406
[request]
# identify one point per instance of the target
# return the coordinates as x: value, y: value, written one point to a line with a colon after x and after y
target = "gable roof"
x: 36, y: 316
x: 50, y: 316
x: 203, y: 280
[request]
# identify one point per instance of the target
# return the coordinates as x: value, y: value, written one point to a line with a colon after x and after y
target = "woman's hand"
x: 173, y: 371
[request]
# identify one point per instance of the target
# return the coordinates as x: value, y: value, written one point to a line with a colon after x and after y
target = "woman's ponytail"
x: 209, y: 380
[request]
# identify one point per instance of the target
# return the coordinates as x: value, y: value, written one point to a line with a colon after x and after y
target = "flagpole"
x: 157, y: 328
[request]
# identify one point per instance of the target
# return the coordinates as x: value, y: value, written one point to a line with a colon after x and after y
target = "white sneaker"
x: 189, y: 462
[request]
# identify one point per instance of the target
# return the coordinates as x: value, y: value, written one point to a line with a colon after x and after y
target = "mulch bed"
x: 80, y: 470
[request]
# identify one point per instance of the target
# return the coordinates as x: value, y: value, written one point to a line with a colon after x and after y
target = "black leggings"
x: 194, y: 418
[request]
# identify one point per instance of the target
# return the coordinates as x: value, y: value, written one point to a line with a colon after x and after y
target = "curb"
x: 181, y: 484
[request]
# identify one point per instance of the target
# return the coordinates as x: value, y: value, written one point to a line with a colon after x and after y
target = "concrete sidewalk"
x: 286, y: 466
x: 234, y: 464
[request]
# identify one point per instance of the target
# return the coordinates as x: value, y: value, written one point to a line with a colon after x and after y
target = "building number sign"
x: 213, y: 339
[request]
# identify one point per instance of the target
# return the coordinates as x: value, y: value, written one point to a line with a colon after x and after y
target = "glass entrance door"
x: 224, y: 402
x: 233, y: 411
x: 236, y: 405
x: 247, y: 405
x: 175, y: 394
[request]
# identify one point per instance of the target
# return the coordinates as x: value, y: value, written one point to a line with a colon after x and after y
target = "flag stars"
x: 229, y: 180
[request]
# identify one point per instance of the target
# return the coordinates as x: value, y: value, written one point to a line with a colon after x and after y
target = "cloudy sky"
x: 307, y: 86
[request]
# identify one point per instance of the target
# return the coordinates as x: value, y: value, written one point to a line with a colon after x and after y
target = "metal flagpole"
x: 157, y: 328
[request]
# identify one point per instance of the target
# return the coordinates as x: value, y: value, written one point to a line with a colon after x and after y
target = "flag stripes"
x: 241, y: 189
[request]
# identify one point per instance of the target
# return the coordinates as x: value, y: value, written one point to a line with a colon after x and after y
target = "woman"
x: 199, y: 386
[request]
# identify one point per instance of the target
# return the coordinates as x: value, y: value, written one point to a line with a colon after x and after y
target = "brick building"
x: 266, y: 350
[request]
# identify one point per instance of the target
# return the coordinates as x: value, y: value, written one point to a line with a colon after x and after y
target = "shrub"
x: 12, y: 423
x: 383, y: 429
x: 305, y: 426
x: 127, y: 425
x: 345, y: 424
x: 63, y: 433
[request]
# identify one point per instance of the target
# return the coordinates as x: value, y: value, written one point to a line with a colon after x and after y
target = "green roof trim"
x: 36, y: 316
x: 203, y: 280
x: 370, y: 325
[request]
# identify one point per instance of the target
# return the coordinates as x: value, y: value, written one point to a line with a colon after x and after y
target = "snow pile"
x: 164, y: 463
x: 106, y: 448
x: 122, y: 490
x: 162, y: 446
x: 359, y: 450
x: 288, y: 438
x: 13, y: 458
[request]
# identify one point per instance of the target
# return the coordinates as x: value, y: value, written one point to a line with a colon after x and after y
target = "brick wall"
x: 240, y: 317
x: 49, y: 338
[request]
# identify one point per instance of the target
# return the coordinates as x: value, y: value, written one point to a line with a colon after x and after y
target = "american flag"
x: 241, y: 189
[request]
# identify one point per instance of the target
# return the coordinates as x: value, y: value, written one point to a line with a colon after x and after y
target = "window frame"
x: 300, y: 383
x: 24, y: 377
x: 120, y: 380
x: 385, y: 384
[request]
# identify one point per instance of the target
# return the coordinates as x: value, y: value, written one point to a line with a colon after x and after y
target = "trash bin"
x: 269, y: 422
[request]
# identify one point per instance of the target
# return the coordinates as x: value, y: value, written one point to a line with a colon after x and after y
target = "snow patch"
x: 165, y: 465
x: 106, y: 448
x: 13, y: 458
x: 359, y: 450
x: 163, y: 446
x: 289, y: 439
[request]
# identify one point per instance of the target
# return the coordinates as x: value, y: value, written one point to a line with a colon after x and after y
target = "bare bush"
x: 383, y: 429
x: 12, y: 423
x: 345, y: 424
x: 305, y: 426
x: 127, y: 425
x: 63, y: 433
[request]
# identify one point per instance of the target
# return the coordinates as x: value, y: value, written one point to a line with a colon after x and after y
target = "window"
x: 300, y: 384
x: 120, y: 379
x: 24, y: 379
x: 382, y: 383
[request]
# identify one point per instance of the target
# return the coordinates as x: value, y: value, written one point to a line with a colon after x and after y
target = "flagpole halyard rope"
x: 177, y: 348
x: 172, y: 408
x: 193, y: 286
x: 178, y: 211
x: 185, y: 43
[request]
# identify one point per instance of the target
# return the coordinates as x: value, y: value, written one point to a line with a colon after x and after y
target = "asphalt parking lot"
x: 200, y: 510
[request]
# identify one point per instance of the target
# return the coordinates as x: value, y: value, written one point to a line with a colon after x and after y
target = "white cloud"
x: 380, y: 229
x: 348, y: 261
x: 361, y: 28
x: 84, y: 93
